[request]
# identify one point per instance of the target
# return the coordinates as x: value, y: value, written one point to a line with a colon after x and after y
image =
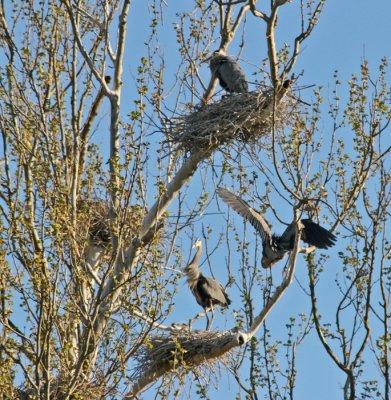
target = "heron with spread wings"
x: 207, y: 291
x: 275, y: 247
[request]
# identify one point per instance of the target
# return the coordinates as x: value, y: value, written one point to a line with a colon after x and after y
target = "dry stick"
x: 300, y: 38
x: 318, y: 327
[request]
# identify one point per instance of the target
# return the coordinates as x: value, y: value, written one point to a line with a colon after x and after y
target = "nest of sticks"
x: 174, y: 352
x: 244, y: 117
x: 94, y: 222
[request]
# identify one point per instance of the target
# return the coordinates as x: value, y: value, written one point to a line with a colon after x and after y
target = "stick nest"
x: 245, y: 117
x: 175, y: 351
x: 94, y: 222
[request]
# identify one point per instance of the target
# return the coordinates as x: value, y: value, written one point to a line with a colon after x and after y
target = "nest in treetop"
x: 94, y: 222
x: 174, y: 352
x: 245, y: 117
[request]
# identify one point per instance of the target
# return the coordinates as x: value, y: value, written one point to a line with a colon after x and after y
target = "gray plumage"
x: 275, y: 247
x: 228, y: 72
x: 207, y: 291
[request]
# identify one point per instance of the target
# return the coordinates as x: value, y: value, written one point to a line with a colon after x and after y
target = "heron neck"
x: 193, y: 272
x: 197, y: 256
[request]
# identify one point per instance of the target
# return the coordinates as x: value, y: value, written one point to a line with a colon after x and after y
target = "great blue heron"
x: 229, y: 73
x: 207, y: 291
x: 276, y: 247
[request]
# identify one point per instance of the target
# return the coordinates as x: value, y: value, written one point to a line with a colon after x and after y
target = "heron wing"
x: 316, y: 235
x: 210, y: 289
x: 247, y: 212
x: 215, y: 64
x: 231, y: 75
x: 287, y: 240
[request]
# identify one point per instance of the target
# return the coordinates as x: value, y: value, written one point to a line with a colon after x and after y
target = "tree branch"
x: 83, y: 51
x: 258, y: 320
x: 299, y: 39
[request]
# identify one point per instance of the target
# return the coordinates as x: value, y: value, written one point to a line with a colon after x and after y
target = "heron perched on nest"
x: 228, y: 72
x: 275, y: 247
x: 207, y: 291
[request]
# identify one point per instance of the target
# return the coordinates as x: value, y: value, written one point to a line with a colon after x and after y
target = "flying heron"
x: 228, y: 72
x: 206, y: 290
x: 275, y: 247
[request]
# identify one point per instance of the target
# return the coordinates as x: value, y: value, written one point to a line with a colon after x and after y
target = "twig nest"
x: 244, y: 117
x: 94, y: 222
x: 176, y: 351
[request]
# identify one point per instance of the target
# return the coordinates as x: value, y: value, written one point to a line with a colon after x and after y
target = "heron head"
x: 215, y: 54
x: 215, y: 58
x: 219, y: 52
x: 197, y: 243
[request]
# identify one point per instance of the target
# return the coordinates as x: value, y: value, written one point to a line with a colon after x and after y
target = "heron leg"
x: 207, y: 319
x: 213, y: 316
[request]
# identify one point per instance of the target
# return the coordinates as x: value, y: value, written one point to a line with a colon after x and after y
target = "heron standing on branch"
x: 274, y: 247
x: 207, y: 291
x: 228, y: 72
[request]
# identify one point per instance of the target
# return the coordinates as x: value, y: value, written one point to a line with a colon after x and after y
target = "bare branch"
x: 258, y: 321
x: 83, y: 51
x: 313, y: 20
